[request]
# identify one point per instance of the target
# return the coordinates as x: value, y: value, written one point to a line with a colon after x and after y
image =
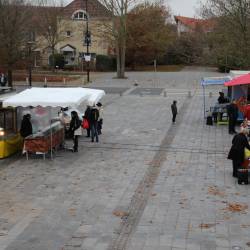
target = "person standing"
x: 222, y: 98
x: 237, y: 151
x: 3, y: 80
x: 86, y: 116
x: 174, y: 110
x: 232, y: 111
x: 75, y: 129
x: 26, y: 126
x: 100, y: 119
x: 94, y: 116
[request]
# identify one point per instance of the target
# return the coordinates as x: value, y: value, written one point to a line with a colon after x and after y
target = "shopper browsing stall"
x: 94, y: 116
x: 237, y: 151
x: 75, y: 129
x: 232, y: 111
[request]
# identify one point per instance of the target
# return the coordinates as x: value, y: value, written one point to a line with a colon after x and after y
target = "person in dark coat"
x: 86, y: 116
x: 26, y: 126
x: 75, y: 125
x: 222, y: 98
x: 237, y: 151
x: 232, y: 111
x: 174, y: 111
x: 94, y: 116
x: 3, y: 80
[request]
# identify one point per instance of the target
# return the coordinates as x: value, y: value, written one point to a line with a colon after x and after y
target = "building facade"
x: 77, y: 17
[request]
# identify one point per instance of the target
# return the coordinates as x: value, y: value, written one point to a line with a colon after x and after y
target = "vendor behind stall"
x: 26, y: 126
x: 222, y: 99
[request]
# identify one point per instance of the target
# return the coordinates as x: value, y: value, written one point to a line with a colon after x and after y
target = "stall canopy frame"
x: 207, y: 81
x: 54, y: 97
x: 240, y: 80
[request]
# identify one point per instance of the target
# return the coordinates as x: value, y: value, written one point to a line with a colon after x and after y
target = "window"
x: 68, y: 33
x: 80, y: 15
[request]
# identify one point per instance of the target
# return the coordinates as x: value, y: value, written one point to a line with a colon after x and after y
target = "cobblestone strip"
x: 144, y: 189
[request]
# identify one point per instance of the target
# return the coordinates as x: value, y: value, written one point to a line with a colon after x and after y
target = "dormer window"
x: 80, y: 15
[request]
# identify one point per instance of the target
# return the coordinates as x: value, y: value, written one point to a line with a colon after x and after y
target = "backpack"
x: 94, y: 115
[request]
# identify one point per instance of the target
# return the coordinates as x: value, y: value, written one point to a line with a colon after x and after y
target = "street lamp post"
x: 29, y: 43
x: 87, y: 41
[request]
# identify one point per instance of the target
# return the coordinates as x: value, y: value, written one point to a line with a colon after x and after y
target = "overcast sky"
x: 184, y: 7
x: 179, y: 7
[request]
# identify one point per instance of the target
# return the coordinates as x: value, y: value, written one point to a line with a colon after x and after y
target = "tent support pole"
x: 204, y: 102
x: 51, y: 152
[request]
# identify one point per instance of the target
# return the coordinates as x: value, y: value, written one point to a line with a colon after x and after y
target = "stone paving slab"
x: 81, y: 201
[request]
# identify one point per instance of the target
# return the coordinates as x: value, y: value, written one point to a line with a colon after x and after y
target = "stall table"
x: 45, y: 140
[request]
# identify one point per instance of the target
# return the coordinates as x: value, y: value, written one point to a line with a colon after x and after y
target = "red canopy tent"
x: 241, y: 80
x: 241, y: 102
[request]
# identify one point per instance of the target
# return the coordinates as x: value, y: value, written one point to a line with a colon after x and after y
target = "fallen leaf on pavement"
x: 72, y: 211
x: 216, y: 191
x: 119, y: 213
x: 206, y: 226
x: 236, y: 207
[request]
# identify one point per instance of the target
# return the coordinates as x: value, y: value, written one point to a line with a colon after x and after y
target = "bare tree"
x: 119, y: 10
x: 49, y: 24
x: 13, y: 32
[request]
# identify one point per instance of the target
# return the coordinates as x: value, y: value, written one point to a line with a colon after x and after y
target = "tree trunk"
x: 53, y: 59
x: 9, y: 77
x: 121, y: 52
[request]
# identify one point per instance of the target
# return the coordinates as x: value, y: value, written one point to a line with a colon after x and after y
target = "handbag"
x: 247, y: 153
x: 85, y: 123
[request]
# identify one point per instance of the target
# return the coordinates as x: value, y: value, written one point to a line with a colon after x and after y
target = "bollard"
x: 189, y: 94
x: 210, y: 94
x: 45, y: 82
x: 165, y: 93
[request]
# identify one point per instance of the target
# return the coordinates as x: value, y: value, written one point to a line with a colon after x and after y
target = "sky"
x: 179, y: 7
x: 185, y: 7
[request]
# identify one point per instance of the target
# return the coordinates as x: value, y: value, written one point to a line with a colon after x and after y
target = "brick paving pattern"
x: 148, y: 185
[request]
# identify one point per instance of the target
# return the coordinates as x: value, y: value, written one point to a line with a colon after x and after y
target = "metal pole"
x: 87, y: 26
x: 204, y: 101
x: 30, y: 67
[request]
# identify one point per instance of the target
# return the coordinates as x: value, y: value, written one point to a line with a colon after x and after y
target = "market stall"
x: 241, y: 92
x: 48, y: 137
x: 209, y: 81
x: 10, y: 140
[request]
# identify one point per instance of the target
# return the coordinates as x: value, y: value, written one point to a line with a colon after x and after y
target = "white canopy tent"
x: 54, y: 97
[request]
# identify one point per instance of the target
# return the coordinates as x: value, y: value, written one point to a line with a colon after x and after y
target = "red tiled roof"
x: 95, y: 8
x: 193, y: 23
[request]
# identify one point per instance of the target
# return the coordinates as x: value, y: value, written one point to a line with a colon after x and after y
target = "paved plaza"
x: 147, y: 185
